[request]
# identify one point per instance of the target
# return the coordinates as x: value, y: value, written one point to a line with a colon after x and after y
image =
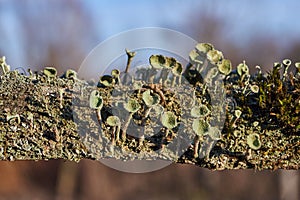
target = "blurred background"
x: 61, y: 33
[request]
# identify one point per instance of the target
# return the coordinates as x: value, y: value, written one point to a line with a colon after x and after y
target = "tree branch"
x: 43, y: 117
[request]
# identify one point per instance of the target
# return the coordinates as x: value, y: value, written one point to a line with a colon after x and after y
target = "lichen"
x: 39, y: 113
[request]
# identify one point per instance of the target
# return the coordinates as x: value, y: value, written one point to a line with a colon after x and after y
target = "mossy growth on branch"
x: 43, y: 116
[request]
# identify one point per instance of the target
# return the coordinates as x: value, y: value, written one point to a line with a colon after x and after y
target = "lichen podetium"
x: 261, y: 129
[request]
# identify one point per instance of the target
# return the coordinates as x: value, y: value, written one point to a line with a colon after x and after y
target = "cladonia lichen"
x: 167, y: 102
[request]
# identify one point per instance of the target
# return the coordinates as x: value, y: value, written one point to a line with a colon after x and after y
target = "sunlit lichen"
x: 243, y: 69
x: 225, y: 66
x: 214, y: 133
x: 177, y: 72
x: 4, y: 67
x: 150, y: 99
x: 107, y: 80
x: 194, y: 57
x: 116, y: 75
x: 114, y: 122
x: 214, y: 56
x: 50, y: 72
x: 200, y: 127
x: 204, y: 47
x: 200, y: 111
x: 253, y: 140
x: 254, y: 88
x: 132, y: 106
x: 71, y: 74
x: 260, y: 124
x: 96, y: 101
x: 169, y: 120
x: 157, y: 61
x: 130, y: 56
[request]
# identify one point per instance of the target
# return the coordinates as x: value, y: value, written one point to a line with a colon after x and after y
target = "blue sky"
x: 243, y: 20
x: 272, y: 17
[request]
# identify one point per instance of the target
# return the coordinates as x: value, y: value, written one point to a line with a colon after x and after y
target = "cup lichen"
x: 242, y: 69
x: 96, y: 102
x: 214, y: 56
x: 204, y: 47
x: 115, y: 73
x: 200, y: 127
x: 107, y: 81
x: 114, y: 121
x: 132, y: 106
x: 200, y: 111
x: 225, y: 66
x: 4, y: 67
x: 71, y: 74
x: 253, y: 141
x: 50, y: 72
x: 265, y: 113
x: 169, y: 120
x: 157, y: 61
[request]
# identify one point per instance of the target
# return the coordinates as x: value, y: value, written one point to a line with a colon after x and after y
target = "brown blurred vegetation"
x: 92, y: 180
x: 61, y: 34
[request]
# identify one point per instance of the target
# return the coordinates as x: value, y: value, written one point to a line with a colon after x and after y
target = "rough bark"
x: 44, y: 117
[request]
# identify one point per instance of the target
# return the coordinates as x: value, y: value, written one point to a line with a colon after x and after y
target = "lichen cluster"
x: 36, y: 117
x: 141, y: 113
x: 205, y: 114
x: 262, y: 124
